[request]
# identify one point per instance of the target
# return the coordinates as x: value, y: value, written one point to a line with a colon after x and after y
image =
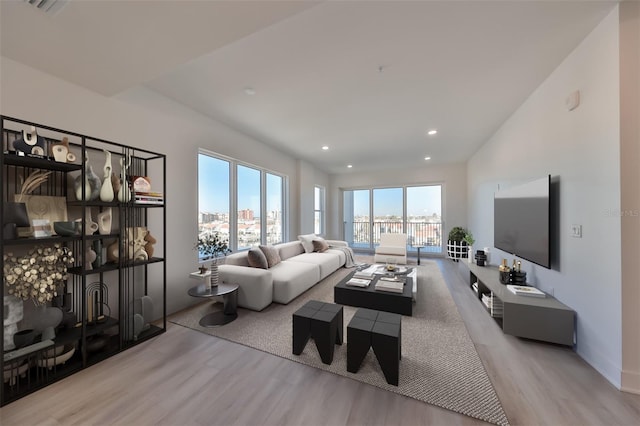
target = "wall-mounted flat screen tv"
x: 521, y: 221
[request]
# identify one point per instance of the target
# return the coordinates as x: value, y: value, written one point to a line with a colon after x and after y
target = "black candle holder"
x: 505, y: 277
x: 481, y: 257
x: 518, y: 278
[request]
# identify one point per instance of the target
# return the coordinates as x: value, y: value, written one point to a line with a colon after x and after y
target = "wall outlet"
x: 576, y: 231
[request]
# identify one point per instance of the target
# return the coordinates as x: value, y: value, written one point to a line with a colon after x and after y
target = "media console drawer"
x: 539, y: 318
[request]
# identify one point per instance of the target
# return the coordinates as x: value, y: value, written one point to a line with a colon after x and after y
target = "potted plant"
x: 456, y: 246
x: 213, y: 248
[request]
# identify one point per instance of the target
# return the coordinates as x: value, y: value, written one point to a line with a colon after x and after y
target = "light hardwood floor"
x: 184, y: 377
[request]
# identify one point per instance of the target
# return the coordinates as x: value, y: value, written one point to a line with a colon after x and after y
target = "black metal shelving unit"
x: 123, y: 282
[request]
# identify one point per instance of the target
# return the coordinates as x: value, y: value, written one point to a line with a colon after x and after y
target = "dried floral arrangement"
x: 32, y: 181
x: 39, y: 274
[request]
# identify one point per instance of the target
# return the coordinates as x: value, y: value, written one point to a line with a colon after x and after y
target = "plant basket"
x: 457, y: 250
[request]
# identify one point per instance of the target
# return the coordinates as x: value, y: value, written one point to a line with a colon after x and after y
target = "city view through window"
x: 414, y: 210
x: 253, y: 202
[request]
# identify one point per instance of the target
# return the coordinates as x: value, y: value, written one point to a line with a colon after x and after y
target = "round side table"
x: 229, y: 293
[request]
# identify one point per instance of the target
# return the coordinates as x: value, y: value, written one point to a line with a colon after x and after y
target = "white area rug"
x: 439, y: 365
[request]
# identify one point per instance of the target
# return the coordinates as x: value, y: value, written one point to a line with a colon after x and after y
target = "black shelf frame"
x: 129, y: 279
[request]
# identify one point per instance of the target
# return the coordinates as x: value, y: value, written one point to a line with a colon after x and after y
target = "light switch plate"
x: 576, y: 231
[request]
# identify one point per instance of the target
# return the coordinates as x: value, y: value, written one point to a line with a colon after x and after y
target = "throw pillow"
x: 257, y: 259
x: 271, y: 253
x: 320, y: 246
x: 307, y: 241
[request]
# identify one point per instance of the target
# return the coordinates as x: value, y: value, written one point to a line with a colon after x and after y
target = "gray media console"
x: 538, y: 318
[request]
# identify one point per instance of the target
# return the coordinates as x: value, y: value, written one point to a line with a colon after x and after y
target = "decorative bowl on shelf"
x: 56, y: 356
x: 67, y: 228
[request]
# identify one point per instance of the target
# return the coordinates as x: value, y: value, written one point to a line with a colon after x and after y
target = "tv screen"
x: 521, y: 221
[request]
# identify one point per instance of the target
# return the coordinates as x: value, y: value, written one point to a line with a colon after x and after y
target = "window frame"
x: 320, y: 210
x: 233, y: 197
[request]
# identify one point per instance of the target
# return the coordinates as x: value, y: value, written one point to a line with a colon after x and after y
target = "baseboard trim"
x: 630, y: 382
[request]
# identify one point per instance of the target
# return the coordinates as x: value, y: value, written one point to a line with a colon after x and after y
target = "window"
x: 318, y: 211
x: 413, y: 210
x: 242, y: 203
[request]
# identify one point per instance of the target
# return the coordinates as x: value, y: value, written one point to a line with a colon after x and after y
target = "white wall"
x: 453, y: 179
x: 143, y: 119
x: 581, y: 148
x: 310, y: 177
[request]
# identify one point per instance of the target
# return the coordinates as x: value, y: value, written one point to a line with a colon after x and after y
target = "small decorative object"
x: 61, y: 151
x: 30, y: 143
x: 106, y: 192
x: 44, y: 321
x: 41, y: 228
x: 136, y: 243
x: 38, y: 274
x: 141, y: 184
x: 212, y: 247
x: 63, y: 301
x: 124, y: 194
x: 97, y: 303
x: 97, y: 248
x: 89, y: 258
x: 92, y: 184
x: 104, y: 219
x: 148, y: 247
x: 504, y: 272
x: 517, y: 276
x: 90, y: 227
x: 113, y: 251
x: 480, y: 257
x: 13, y: 314
x: 56, y: 356
x: 14, y: 216
x: 23, y: 338
x: 67, y: 228
x: 468, y: 238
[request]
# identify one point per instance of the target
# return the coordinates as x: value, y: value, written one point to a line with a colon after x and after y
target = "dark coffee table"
x: 369, y: 297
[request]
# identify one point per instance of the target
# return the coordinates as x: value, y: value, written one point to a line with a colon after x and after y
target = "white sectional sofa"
x: 298, y: 271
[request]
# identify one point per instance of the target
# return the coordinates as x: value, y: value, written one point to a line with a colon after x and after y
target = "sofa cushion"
x: 272, y: 255
x: 239, y: 259
x: 307, y: 241
x: 291, y: 279
x: 257, y: 259
x: 290, y: 249
x: 320, y: 246
x: 328, y: 262
x: 399, y: 251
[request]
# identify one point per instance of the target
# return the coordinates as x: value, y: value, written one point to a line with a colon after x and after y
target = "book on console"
x: 521, y: 290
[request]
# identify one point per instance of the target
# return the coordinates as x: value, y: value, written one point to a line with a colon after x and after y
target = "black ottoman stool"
x: 383, y: 332
x: 321, y: 321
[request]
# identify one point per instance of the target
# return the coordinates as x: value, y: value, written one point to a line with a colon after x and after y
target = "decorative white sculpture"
x: 104, y: 219
x: 106, y: 192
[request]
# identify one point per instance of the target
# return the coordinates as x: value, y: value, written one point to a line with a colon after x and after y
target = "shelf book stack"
x: 525, y: 291
x: 493, y: 304
x: 390, y: 284
x: 156, y: 198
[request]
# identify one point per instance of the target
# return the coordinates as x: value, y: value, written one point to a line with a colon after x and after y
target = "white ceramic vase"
x: 106, y: 192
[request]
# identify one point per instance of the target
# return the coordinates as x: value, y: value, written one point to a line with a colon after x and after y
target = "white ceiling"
x: 366, y: 78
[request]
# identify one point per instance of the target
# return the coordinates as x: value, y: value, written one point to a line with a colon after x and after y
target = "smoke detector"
x: 50, y: 7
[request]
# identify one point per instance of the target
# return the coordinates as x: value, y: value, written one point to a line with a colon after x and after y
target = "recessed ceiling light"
x: 427, y: 158
x: 249, y: 91
x: 325, y: 148
x: 432, y: 132
x: 349, y: 166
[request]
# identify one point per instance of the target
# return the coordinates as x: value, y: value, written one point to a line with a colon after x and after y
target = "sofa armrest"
x: 337, y: 243
x: 255, y: 290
